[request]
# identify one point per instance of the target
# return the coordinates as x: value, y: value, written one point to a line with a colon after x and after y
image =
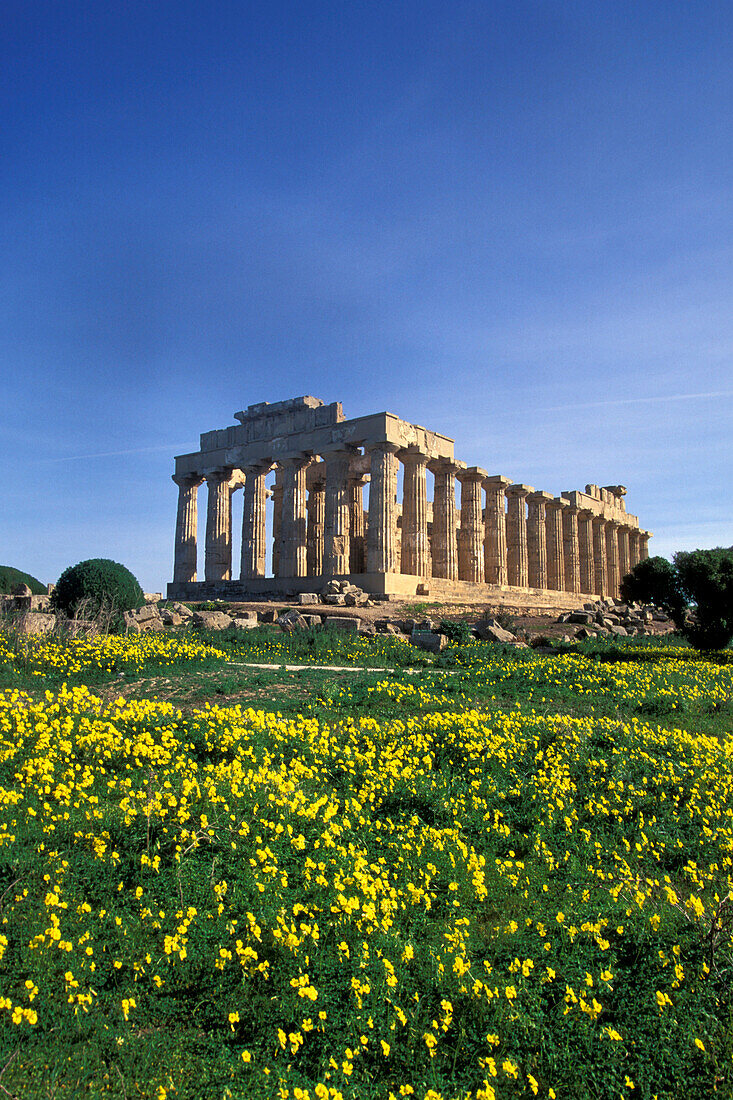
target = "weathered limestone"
x: 254, y: 549
x: 316, y: 519
x: 495, y: 544
x: 587, y: 559
x: 415, y: 550
x: 549, y: 548
x: 293, y: 531
x: 517, y: 547
x: 357, y: 524
x: 185, y: 560
x: 218, y: 565
x: 471, y: 538
x: 445, y: 532
x: 555, y: 545
x: 338, y: 519
x: 537, y: 538
x: 381, y: 532
x: 600, y: 557
x: 571, y: 549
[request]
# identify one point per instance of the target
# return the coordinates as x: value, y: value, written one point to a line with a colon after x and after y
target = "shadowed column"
x: 495, y: 544
x: 600, y: 556
x: 381, y: 548
x: 218, y: 566
x: 624, y: 560
x: 516, y: 535
x: 337, y: 516
x: 414, y: 514
x: 254, y: 548
x: 277, y: 522
x: 471, y: 538
x: 445, y: 533
x: 185, y: 551
x: 316, y: 509
x: 634, y: 551
x: 644, y: 537
x: 357, y: 524
x: 537, y: 538
x: 612, y: 557
x: 571, y: 549
x: 555, y: 550
x: 292, y: 539
x: 585, y: 541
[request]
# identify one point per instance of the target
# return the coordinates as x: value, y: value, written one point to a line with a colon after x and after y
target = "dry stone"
x: 35, y: 622
x: 432, y: 643
x: 211, y: 620
x: 348, y: 623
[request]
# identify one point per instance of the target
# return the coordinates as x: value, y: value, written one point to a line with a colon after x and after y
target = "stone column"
x: 254, y: 548
x: 585, y: 539
x: 495, y: 545
x: 292, y: 542
x: 357, y: 524
x: 555, y: 549
x: 624, y: 556
x: 316, y: 509
x: 337, y: 518
x: 644, y: 537
x: 218, y: 565
x: 634, y: 553
x: 414, y: 514
x: 381, y: 548
x: 571, y: 549
x: 612, y: 557
x: 600, y: 556
x: 445, y: 534
x: 185, y: 551
x: 471, y: 539
x: 277, y: 523
x: 516, y: 535
x: 537, y: 538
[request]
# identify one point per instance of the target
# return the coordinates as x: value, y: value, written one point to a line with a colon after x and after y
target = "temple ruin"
x: 503, y: 541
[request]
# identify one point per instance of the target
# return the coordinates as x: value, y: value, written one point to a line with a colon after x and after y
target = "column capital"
x: 263, y: 466
x: 558, y: 503
x: 382, y: 445
x: 358, y: 481
x: 410, y: 456
x: 471, y: 474
x: 446, y: 466
x: 519, y: 490
x: 539, y: 496
x: 218, y: 473
x: 497, y: 481
x: 297, y: 462
x: 187, y: 481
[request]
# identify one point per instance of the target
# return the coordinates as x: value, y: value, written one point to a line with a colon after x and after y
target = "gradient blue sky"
x: 507, y: 221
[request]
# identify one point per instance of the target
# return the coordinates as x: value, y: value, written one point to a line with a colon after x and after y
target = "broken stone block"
x: 348, y: 623
x: 244, y: 624
x: 211, y: 620
x: 431, y: 643
x: 290, y: 621
x: 35, y: 622
x: 268, y: 616
x: 171, y: 617
x: 182, y: 610
x: 489, y: 631
x: 356, y: 599
x: 336, y: 598
x: 308, y: 598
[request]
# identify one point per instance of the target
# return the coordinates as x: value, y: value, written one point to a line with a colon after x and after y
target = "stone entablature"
x: 500, y: 535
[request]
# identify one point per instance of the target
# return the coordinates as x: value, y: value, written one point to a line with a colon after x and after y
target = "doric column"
x: 254, y: 548
x: 571, y: 549
x: 357, y: 524
x: 381, y: 549
x: 277, y: 523
x: 471, y: 539
x: 600, y: 556
x: 292, y: 540
x: 537, y: 538
x: 516, y: 535
x: 495, y: 546
x: 644, y: 537
x: 634, y: 551
x: 185, y: 551
x: 624, y: 558
x: 445, y: 533
x: 612, y: 557
x: 415, y: 550
x: 218, y: 565
x: 337, y: 518
x: 316, y: 509
x: 555, y: 549
x: 587, y: 564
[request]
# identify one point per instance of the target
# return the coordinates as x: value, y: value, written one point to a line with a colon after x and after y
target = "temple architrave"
x: 502, y: 541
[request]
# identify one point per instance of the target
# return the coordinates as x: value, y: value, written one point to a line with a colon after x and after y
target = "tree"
x: 655, y: 581
x: 705, y: 579
x: 99, y: 587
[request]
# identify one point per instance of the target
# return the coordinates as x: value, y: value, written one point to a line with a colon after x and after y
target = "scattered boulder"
x: 170, y: 617
x: 211, y: 620
x: 35, y: 622
x: 181, y: 609
x: 290, y: 621
x: 267, y: 616
x: 432, y: 643
x: 350, y: 624
x: 336, y: 598
x: 489, y: 630
x: 308, y: 598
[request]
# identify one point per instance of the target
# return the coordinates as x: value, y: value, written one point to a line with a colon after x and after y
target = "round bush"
x: 98, y: 587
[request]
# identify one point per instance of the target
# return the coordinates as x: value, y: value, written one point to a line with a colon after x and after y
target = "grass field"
x: 502, y: 875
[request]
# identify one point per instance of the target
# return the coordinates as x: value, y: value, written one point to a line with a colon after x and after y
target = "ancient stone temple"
x: 499, y: 539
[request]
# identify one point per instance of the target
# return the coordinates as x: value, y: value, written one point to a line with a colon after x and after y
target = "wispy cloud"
x: 171, y: 448
x: 641, y: 400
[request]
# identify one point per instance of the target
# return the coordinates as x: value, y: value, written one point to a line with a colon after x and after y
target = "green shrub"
x: 705, y: 579
x: 98, y: 587
x: 10, y: 577
x: 457, y: 632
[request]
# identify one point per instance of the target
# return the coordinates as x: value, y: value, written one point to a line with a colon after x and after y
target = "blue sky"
x: 507, y: 221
